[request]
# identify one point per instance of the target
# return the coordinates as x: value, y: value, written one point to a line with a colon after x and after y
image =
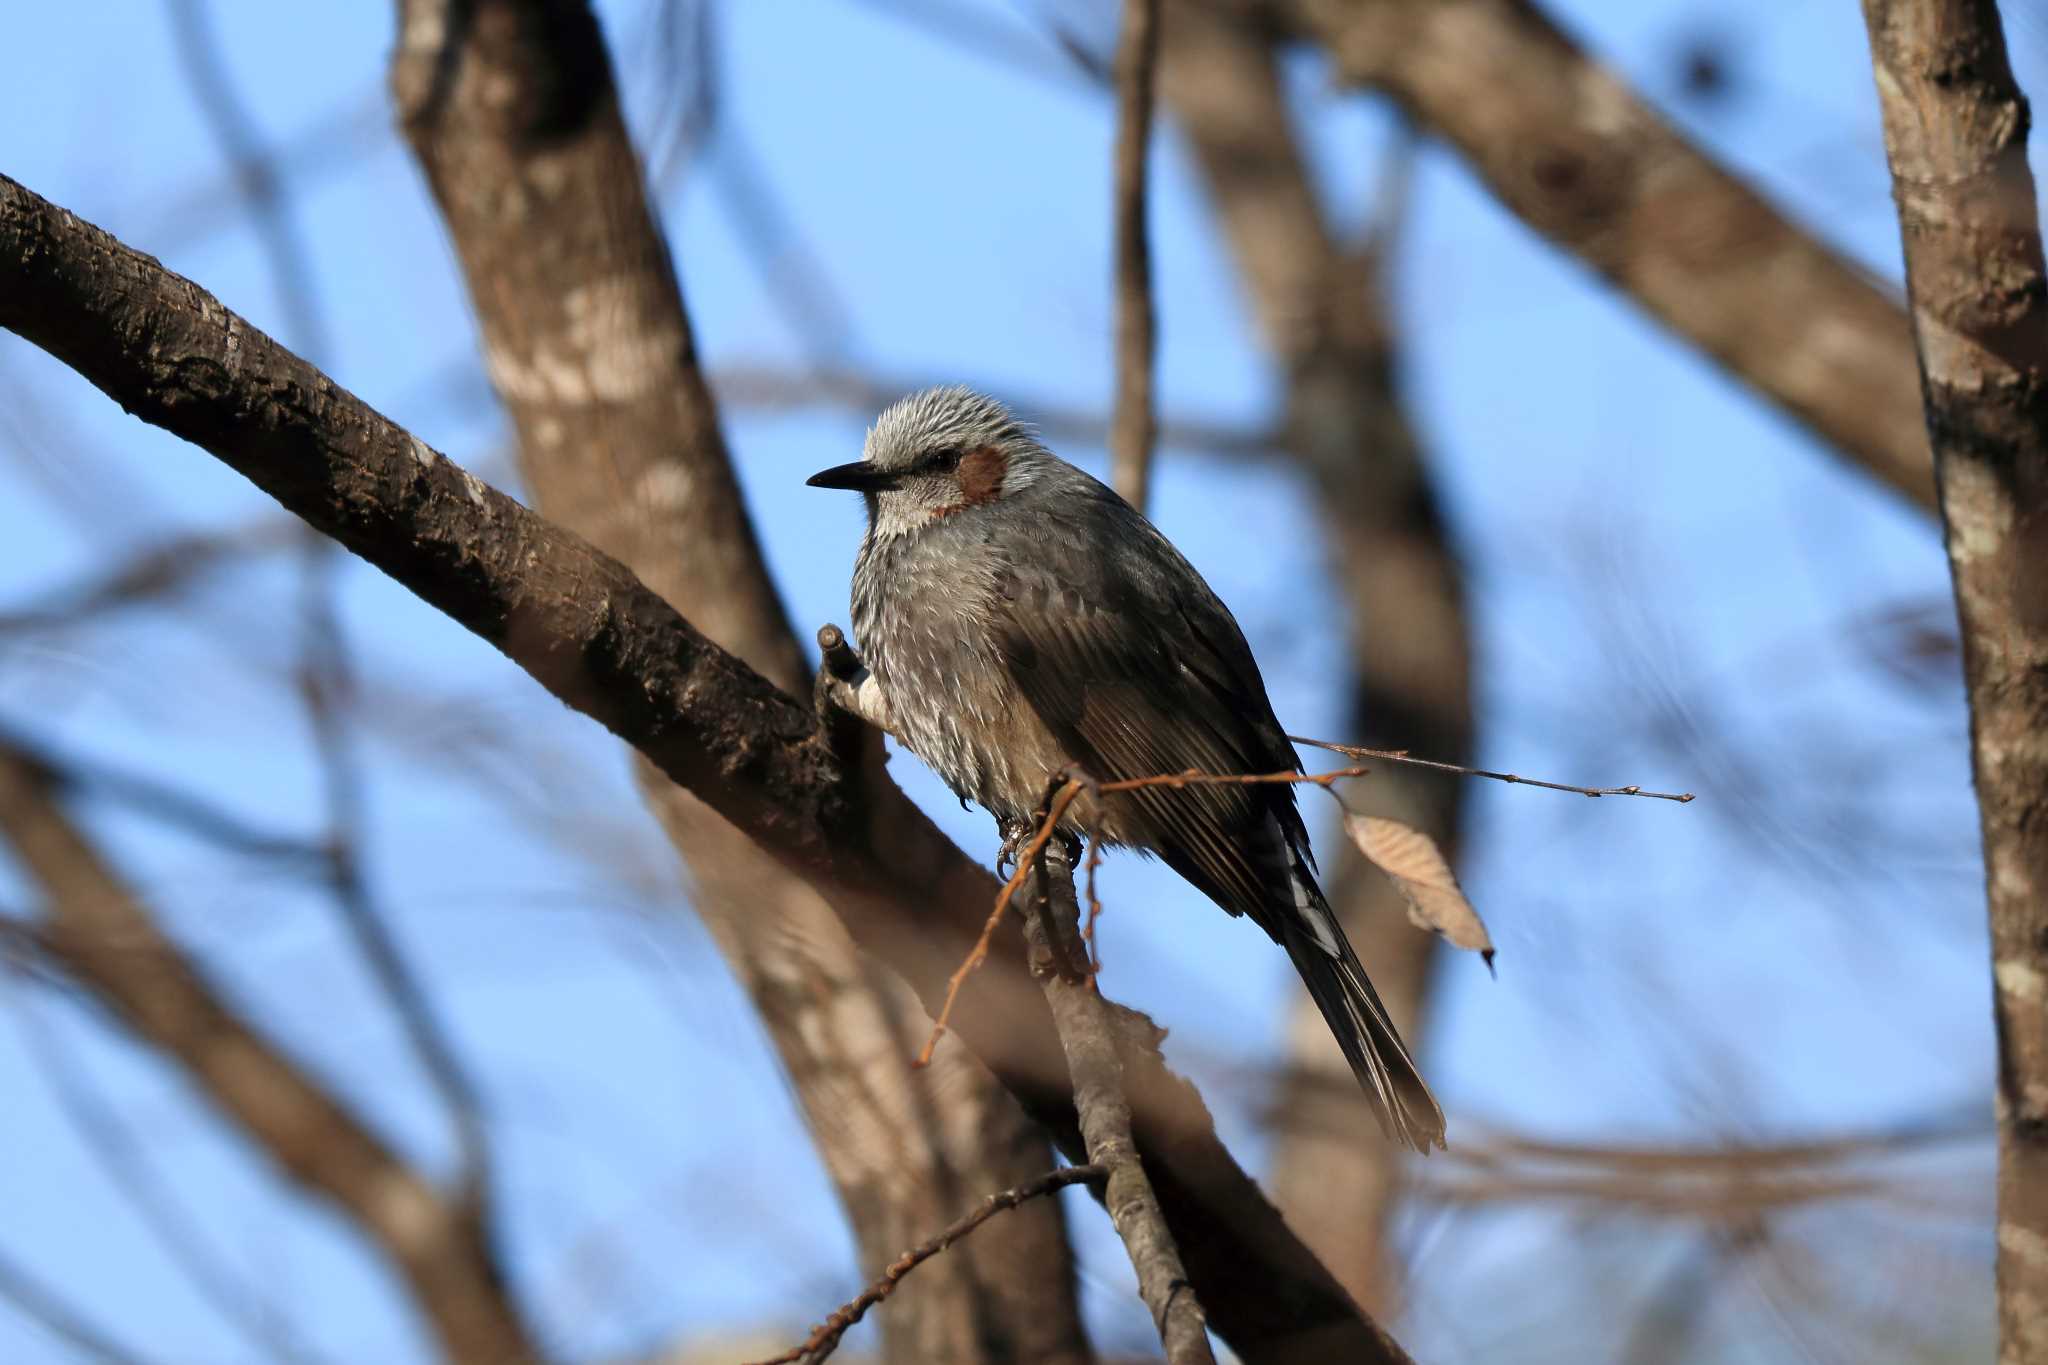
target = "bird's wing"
x: 1138, y: 669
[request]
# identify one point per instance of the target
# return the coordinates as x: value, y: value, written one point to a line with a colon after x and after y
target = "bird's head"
x: 938, y: 454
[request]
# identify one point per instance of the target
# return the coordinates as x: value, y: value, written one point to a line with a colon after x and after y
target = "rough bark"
x: 104, y: 939
x: 1580, y: 159
x: 1322, y: 318
x: 1088, y: 1033
x: 581, y: 625
x: 1955, y: 127
x: 513, y: 113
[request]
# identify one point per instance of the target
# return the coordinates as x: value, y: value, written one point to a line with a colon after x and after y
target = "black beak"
x: 860, y: 476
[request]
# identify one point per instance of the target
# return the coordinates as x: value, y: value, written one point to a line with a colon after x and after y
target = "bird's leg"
x: 1016, y: 834
x: 1091, y: 787
x: 1056, y: 950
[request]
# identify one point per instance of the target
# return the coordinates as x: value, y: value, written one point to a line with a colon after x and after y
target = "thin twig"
x: 41, y: 1305
x: 1195, y: 777
x: 979, y: 954
x: 1403, y: 756
x: 824, y: 1338
x: 1132, y: 428
x: 328, y: 682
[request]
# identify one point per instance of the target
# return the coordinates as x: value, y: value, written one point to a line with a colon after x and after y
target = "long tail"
x: 1337, y: 983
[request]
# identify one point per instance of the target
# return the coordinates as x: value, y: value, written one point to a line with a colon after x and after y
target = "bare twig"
x: 824, y: 1338
x: 157, y: 572
x: 1133, y: 428
x: 770, y: 388
x: 1089, y: 1036
x: 164, y: 802
x: 1056, y: 810
x: 256, y: 173
x: 1402, y: 756
x: 327, y: 682
x: 979, y: 955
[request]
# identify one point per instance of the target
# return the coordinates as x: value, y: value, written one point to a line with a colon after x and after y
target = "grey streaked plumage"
x: 1018, y: 615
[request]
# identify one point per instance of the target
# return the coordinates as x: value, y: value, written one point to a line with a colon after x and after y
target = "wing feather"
x: 1133, y: 679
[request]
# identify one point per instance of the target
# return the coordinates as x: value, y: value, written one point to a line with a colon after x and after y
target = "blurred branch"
x: 825, y: 1338
x: 1088, y: 1034
x: 126, y: 1162
x: 41, y: 1305
x: 163, y: 802
x: 148, y: 577
x: 1133, y: 429
x: 1583, y: 161
x: 589, y: 345
x: 584, y: 628
x: 1322, y: 314
x: 326, y: 681
x: 256, y: 175
x: 104, y: 939
x: 769, y: 388
x: 1955, y: 133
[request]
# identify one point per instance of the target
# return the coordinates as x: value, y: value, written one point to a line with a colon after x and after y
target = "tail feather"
x: 1406, y: 1111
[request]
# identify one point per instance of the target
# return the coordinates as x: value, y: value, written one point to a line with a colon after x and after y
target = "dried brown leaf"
x: 1423, y: 876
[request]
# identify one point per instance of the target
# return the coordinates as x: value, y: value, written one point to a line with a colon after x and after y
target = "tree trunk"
x: 1955, y: 129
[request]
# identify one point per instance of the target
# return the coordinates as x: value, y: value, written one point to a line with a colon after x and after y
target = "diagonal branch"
x: 104, y: 939
x: 1586, y: 163
x: 825, y: 1338
x: 583, y: 627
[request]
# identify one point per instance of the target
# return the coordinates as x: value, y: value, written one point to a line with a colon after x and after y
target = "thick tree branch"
x: 1586, y: 163
x: 105, y: 940
x: 1955, y: 130
x: 583, y: 627
x: 590, y: 348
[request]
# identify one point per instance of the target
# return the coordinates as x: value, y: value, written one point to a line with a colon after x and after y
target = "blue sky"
x: 1650, y: 550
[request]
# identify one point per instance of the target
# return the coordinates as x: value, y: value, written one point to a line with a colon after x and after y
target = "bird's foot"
x: 1015, y: 836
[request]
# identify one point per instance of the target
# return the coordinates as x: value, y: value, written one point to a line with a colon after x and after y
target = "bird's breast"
x: 923, y: 622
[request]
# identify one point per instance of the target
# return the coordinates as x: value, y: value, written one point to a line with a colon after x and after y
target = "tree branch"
x: 1133, y: 428
x: 583, y: 627
x: 1955, y: 131
x: 1088, y: 1034
x: 825, y: 1338
x: 1587, y: 164
x: 105, y: 939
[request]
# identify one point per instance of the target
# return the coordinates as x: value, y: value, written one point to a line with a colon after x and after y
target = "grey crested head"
x: 939, y: 453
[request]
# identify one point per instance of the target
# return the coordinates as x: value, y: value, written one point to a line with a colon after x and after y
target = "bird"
x: 1022, y: 620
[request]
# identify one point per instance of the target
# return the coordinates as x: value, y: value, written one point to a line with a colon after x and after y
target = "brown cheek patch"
x: 981, y: 475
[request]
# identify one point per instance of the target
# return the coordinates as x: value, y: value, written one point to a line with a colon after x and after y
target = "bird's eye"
x: 942, y: 461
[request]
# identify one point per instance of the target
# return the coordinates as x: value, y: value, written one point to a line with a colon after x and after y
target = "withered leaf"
x: 1421, y: 874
